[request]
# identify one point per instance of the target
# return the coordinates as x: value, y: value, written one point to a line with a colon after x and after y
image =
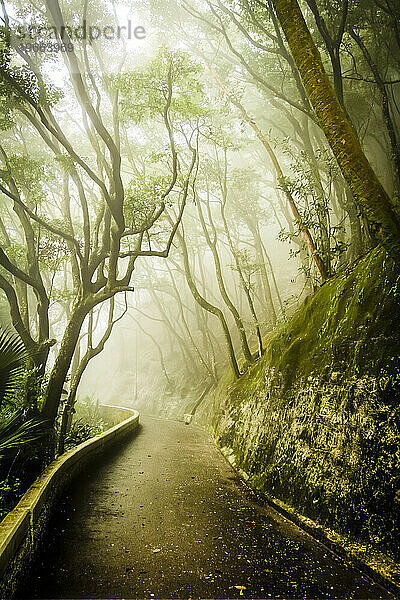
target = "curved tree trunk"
x: 293, y: 207
x: 277, y: 292
x: 80, y: 368
x: 207, y: 305
x: 263, y: 272
x: 244, y: 285
x: 203, y: 361
x: 212, y: 244
x: 357, y: 171
x: 61, y: 366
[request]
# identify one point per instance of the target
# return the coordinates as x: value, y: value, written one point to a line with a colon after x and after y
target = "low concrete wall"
x: 22, y: 529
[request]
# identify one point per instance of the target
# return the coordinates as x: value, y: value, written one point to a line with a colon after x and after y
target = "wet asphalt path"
x: 166, y: 517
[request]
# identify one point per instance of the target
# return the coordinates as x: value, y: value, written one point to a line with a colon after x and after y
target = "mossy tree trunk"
x: 357, y: 171
x: 63, y: 361
x: 79, y: 369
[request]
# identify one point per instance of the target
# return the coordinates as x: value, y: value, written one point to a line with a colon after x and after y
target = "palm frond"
x: 16, y: 434
x: 13, y: 356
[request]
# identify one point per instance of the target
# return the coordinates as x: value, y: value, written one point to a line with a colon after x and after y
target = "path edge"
x: 22, y: 528
x: 312, y: 529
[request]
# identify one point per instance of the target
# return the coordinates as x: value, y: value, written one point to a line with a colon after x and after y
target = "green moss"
x: 340, y: 325
x: 316, y: 422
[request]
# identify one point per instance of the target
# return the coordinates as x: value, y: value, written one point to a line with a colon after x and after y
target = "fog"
x: 129, y: 370
x: 168, y: 196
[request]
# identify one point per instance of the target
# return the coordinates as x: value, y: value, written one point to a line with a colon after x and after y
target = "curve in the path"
x: 166, y: 517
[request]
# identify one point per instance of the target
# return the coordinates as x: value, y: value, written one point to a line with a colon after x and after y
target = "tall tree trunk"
x: 68, y: 410
x: 385, y: 103
x: 203, y: 361
x: 277, y: 292
x: 210, y: 335
x: 63, y: 362
x: 78, y: 369
x: 293, y: 207
x: 207, y: 305
x: 212, y: 244
x: 357, y: 171
x: 243, y: 282
x: 76, y: 359
x: 263, y: 272
x: 208, y: 346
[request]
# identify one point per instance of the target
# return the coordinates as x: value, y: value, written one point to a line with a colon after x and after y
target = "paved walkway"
x: 166, y: 517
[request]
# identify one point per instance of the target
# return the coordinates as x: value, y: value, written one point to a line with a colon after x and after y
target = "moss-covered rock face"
x: 316, y: 422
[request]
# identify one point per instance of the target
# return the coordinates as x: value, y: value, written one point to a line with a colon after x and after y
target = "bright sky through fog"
x: 111, y: 48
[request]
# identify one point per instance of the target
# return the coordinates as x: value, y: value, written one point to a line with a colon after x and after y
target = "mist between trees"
x: 170, y: 200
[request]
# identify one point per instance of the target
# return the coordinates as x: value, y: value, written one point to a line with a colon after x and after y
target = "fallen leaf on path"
x: 240, y: 588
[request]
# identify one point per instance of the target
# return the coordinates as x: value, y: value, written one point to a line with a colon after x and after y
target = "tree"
x: 113, y: 231
x: 357, y: 171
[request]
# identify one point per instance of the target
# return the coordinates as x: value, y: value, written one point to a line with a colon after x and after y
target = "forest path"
x: 166, y: 517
